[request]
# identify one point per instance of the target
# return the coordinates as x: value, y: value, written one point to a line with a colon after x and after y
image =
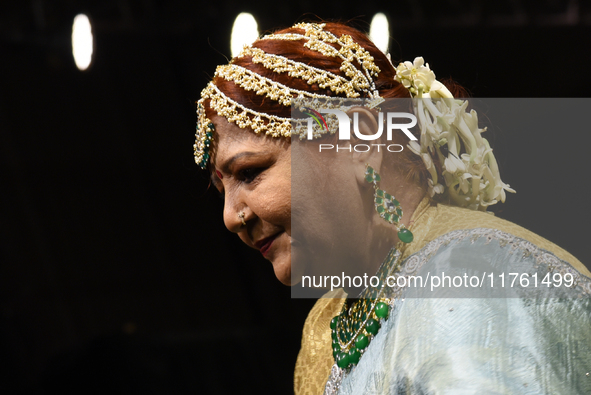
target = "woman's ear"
x: 367, y: 122
x: 365, y: 152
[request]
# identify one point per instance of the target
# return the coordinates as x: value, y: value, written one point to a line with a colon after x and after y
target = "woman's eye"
x: 250, y: 174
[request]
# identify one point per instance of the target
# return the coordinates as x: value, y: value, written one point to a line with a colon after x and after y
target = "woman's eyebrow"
x: 225, y: 166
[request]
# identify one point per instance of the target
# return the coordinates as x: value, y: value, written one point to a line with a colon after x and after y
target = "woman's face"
x: 332, y: 203
x: 253, y: 172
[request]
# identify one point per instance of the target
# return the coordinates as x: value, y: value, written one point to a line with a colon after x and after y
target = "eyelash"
x: 250, y: 174
x: 247, y: 176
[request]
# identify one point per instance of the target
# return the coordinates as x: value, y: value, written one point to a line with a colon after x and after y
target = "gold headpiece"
x: 320, y: 40
x: 471, y: 177
x: 317, y: 39
x: 310, y: 74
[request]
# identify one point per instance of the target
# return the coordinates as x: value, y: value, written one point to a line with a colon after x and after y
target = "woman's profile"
x: 394, y: 205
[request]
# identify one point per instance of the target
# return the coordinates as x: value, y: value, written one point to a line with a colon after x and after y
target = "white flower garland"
x: 471, y: 177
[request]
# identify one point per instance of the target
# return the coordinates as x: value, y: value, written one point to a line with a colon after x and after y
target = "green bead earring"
x: 387, y: 206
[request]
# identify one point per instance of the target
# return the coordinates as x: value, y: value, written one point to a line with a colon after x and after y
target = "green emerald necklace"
x: 361, y: 319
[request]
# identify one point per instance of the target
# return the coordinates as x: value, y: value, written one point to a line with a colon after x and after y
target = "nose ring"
x: 241, y: 216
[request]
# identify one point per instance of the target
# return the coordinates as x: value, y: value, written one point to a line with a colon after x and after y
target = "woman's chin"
x: 282, y: 269
x: 286, y: 272
x: 280, y: 257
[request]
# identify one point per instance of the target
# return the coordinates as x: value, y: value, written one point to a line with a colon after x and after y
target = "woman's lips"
x: 265, y: 244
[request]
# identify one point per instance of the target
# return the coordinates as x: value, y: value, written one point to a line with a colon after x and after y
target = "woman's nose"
x: 233, y: 214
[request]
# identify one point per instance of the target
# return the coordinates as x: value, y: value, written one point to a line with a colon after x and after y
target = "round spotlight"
x: 82, y: 42
x: 244, y: 32
x: 379, y: 32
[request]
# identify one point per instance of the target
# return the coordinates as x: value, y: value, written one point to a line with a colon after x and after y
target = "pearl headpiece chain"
x: 315, y: 38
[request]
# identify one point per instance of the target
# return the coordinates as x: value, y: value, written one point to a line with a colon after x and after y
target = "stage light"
x: 244, y: 32
x: 379, y: 32
x: 82, y: 41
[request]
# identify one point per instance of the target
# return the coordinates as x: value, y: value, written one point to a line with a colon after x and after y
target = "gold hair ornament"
x: 251, y: 81
x: 237, y: 113
x: 259, y: 122
x: 310, y: 74
x: 320, y: 40
x: 203, y: 137
x: 316, y: 39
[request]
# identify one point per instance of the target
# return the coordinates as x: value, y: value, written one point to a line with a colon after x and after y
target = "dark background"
x: 116, y: 272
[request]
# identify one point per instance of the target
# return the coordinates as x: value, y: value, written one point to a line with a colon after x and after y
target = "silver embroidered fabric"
x: 334, y: 380
x: 526, y: 341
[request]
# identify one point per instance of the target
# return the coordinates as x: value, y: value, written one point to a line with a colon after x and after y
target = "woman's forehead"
x: 231, y: 141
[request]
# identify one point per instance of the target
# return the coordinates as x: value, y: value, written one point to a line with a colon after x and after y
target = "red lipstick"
x: 264, y: 244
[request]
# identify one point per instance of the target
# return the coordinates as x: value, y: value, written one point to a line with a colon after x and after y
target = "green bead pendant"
x: 362, y: 341
x: 354, y: 356
x: 372, y: 326
x: 382, y: 310
x: 342, y: 360
x: 405, y: 236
